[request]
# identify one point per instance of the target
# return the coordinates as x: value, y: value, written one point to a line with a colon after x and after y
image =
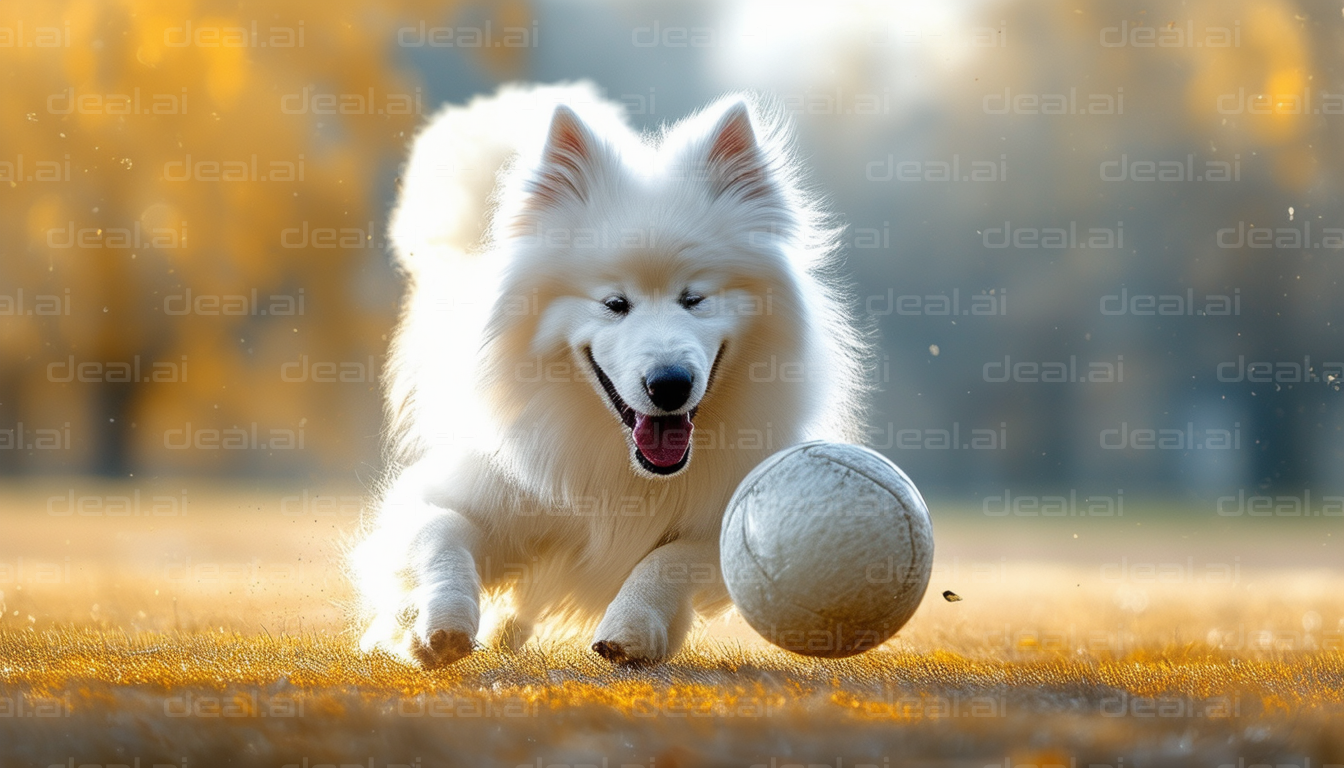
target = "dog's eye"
x: 691, y: 300
x: 617, y: 304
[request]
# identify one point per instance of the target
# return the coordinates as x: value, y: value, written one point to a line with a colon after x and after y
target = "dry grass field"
x: 217, y: 635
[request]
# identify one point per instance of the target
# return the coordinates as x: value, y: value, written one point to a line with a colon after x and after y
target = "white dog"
x: 580, y: 299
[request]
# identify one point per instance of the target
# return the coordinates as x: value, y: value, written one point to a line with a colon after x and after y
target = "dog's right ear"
x: 563, y: 174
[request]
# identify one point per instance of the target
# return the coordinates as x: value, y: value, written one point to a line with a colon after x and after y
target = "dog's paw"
x: 440, y: 625
x: 636, y: 638
x: 443, y: 647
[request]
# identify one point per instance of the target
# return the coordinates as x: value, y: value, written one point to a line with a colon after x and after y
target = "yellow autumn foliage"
x: 193, y: 196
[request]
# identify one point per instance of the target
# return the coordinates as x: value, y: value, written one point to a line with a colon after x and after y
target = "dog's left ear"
x: 736, y: 163
x: 564, y: 172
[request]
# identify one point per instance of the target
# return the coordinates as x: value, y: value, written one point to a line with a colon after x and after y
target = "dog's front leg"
x: 419, y: 570
x: 442, y: 613
x: 649, y: 619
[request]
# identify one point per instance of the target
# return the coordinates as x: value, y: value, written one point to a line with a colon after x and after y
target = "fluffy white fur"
x: 514, y: 479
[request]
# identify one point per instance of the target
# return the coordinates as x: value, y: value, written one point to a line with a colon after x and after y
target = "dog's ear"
x: 736, y: 163
x: 563, y: 173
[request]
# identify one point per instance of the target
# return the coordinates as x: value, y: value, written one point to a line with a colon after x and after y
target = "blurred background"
x: 1101, y: 240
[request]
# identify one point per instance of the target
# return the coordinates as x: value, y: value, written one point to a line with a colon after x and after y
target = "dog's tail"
x: 448, y: 189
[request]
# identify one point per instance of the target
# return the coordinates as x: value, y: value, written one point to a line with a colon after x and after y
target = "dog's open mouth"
x: 662, y: 443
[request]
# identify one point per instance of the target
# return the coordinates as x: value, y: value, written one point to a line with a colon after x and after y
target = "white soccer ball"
x: 826, y: 549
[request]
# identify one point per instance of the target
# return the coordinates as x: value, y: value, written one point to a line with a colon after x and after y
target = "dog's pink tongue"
x: 663, y: 440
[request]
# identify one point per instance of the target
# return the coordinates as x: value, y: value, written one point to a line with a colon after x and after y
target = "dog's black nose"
x: 669, y: 387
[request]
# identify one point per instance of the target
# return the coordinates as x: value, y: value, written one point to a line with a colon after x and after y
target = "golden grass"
x: 221, y: 637
x: 568, y: 674
x: 293, y: 697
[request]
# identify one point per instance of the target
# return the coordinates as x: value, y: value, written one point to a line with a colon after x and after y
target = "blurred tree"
x: 191, y: 234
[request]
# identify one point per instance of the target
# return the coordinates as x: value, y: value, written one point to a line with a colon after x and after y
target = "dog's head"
x: 652, y: 265
x: 653, y: 358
